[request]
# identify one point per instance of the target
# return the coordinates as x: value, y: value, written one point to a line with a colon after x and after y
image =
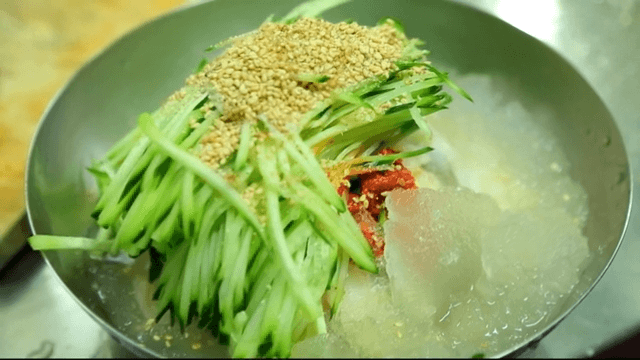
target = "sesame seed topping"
x: 259, y: 75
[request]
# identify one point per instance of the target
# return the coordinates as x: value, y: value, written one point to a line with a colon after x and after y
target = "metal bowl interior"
x: 135, y: 74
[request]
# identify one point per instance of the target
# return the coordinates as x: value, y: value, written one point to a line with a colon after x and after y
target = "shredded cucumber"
x: 255, y: 275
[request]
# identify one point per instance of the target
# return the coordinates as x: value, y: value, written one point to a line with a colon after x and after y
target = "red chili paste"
x: 365, y: 197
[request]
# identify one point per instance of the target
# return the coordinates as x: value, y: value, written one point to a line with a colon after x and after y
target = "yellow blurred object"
x: 41, y: 45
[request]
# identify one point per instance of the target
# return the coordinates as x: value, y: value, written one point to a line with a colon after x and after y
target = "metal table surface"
x: 600, y: 38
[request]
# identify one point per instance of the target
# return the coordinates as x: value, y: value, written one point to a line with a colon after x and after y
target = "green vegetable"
x: 396, y: 23
x: 313, y: 78
x: 47, y: 242
x: 254, y: 274
x: 386, y: 159
x: 203, y: 62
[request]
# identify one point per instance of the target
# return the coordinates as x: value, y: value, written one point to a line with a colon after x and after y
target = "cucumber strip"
x: 123, y: 146
x: 341, y: 136
x: 202, y: 198
x: 276, y: 234
x: 326, y: 134
x: 170, y: 277
x: 132, y: 164
x: 418, y: 118
x: 279, y: 243
x: 431, y: 110
x: 242, y: 178
x: 283, y: 163
x: 348, y: 150
x: 176, y: 129
x: 164, y: 230
x: 303, y: 156
x: 413, y: 79
x: 149, y: 178
x: 357, y: 246
x: 403, y: 132
x: 240, y: 271
x: 232, y: 229
x: 230, y: 250
x: 197, y: 133
x: 273, y: 305
x: 260, y: 262
x: 350, y: 225
x: 141, y: 244
x: 308, y: 154
x: 114, y: 191
x: 403, y: 89
x: 218, y: 238
x: 367, y: 86
x: 380, y: 125
x: 290, y: 214
x: 243, y: 146
x: 313, y: 113
x: 225, y: 297
x: 225, y: 304
x: 364, y: 133
x: 445, y: 78
x: 313, y: 78
x: 208, y: 175
x: 429, y: 100
x: 248, y: 344
x: 351, y: 98
x: 207, y: 271
x: 201, y: 250
x: 188, y: 281
x: 298, y: 234
x: 144, y: 209
x: 126, y: 202
x: 373, y: 147
x: 208, y: 280
x: 337, y: 285
x: 319, y: 234
x: 318, y: 178
x: 262, y: 284
x: 380, y: 159
x: 321, y: 122
x: 192, y: 139
x: 186, y: 202
x: 282, y: 341
x: 51, y: 242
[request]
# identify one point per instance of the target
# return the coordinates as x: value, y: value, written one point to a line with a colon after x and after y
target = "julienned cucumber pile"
x: 252, y: 247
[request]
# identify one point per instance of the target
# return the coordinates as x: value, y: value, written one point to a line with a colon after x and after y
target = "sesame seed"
x: 258, y: 74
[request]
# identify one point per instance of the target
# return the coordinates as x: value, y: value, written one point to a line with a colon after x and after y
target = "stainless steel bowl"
x: 102, y: 101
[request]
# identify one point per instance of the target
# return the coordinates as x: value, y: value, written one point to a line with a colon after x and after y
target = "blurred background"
x: 42, y: 43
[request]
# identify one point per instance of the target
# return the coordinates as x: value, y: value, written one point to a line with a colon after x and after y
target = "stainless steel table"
x: 600, y: 38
